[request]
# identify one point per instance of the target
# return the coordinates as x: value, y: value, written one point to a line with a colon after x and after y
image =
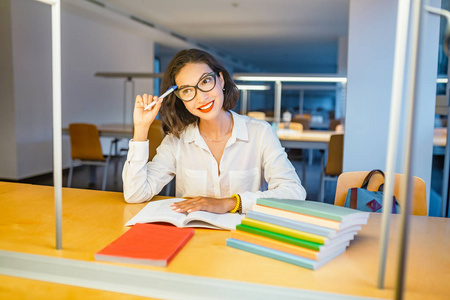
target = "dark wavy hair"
x: 174, y: 115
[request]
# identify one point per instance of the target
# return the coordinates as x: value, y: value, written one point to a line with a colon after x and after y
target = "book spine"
x: 298, y: 217
x: 297, y: 209
x: 297, y: 225
x: 280, y: 237
x: 284, y: 231
x: 274, y: 244
x: 267, y: 252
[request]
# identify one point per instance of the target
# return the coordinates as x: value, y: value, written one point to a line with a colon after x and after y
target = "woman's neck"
x: 218, y: 127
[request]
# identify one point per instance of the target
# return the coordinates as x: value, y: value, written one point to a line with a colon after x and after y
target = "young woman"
x: 221, y: 160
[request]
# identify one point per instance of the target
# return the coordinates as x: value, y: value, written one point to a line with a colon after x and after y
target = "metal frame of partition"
x: 57, y: 123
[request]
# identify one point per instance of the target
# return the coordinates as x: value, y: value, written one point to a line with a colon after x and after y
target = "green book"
x: 284, y: 231
x: 280, y: 237
x: 316, y: 209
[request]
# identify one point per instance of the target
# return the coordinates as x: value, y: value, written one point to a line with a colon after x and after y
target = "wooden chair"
x: 355, y: 179
x: 334, y: 123
x: 333, y: 167
x: 340, y: 128
x: 155, y: 137
x: 86, y: 149
x: 305, y: 120
x: 257, y: 115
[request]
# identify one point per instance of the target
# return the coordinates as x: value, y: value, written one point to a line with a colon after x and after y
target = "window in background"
x: 440, y: 123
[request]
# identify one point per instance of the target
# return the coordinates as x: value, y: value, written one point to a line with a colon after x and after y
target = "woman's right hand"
x: 144, y: 118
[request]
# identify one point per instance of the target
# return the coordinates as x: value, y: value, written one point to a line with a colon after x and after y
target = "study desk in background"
x: 93, y: 219
x: 307, y: 139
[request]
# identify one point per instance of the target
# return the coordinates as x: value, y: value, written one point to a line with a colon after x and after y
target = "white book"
x: 160, y: 211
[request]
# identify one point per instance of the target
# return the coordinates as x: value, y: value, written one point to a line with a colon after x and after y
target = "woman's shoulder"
x: 252, y: 122
x: 257, y: 127
x: 186, y: 135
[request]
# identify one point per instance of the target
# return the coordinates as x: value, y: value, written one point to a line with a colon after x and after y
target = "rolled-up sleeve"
x: 138, y: 185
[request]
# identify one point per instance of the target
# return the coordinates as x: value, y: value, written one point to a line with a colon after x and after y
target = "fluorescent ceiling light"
x: 288, y: 78
x: 253, y: 87
x: 442, y: 80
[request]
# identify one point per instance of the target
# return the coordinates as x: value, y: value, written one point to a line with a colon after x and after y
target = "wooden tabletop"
x: 306, y: 139
x: 93, y: 219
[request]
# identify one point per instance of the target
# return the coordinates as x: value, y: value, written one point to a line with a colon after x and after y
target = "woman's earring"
x: 223, y: 89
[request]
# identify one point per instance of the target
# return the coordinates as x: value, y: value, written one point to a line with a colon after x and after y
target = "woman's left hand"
x: 218, y: 206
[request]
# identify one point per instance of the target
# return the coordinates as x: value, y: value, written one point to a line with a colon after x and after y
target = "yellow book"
x: 285, y: 231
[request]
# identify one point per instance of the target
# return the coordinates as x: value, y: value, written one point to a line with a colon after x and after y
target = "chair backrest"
x: 296, y: 126
x: 85, y: 142
x: 355, y: 179
x: 340, y: 128
x: 334, y: 123
x: 257, y: 115
x: 335, y: 155
x: 155, y: 137
x: 304, y: 119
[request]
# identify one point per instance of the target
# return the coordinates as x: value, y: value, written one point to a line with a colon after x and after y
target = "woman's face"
x: 205, y: 105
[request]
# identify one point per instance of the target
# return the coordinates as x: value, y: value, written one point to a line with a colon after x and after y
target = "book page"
x: 225, y: 221
x: 159, y: 211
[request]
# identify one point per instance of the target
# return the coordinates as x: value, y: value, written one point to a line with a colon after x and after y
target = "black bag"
x: 364, y: 200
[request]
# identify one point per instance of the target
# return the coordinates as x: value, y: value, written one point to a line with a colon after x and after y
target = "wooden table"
x: 306, y: 139
x: 206, y: 267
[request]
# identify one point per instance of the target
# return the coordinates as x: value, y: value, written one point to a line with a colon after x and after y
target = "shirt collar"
x: 191, y: 133
x: 240, y: 130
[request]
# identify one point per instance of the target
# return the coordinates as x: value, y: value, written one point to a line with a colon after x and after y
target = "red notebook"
x: 148, y: 244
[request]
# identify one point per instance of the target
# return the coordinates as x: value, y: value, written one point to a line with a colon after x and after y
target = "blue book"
x: 301, y: 226
x: 282, y: 256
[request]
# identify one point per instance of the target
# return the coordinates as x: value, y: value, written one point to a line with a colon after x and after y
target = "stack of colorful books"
x: 305, y: 233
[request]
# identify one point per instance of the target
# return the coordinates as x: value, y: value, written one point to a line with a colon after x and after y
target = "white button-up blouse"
x: 253, y: 165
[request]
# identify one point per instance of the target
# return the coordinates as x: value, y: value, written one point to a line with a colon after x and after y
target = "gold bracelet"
x: 238, y: 201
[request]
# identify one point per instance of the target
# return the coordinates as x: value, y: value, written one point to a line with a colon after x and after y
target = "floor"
x: 81, y: 178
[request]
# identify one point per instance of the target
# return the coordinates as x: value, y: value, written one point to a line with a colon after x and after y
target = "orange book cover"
x: 274, y: 244
x: 148, y: 244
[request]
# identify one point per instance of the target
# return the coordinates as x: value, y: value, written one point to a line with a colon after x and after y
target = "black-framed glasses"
x: 205, y: 84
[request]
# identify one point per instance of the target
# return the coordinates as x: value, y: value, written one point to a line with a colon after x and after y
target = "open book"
x: 160, y: 211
